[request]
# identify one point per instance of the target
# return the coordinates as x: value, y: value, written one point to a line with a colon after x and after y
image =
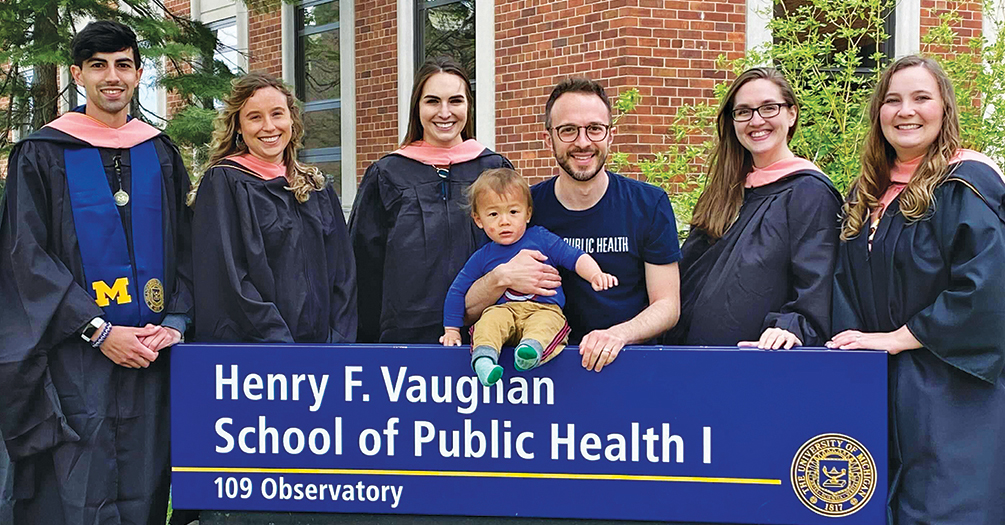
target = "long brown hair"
x: 719, y: 204
x: 879, y: 156
x: 302, y: 178
x: 441, y: 64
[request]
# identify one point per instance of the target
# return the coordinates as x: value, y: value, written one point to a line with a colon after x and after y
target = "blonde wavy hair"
x: 719, y: 204
x: 302, y: 178
x: 878, y: 156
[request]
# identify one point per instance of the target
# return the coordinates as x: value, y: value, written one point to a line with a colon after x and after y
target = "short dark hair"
x: 103, y: 36
x: 440, y: 64
x: 575, y: 85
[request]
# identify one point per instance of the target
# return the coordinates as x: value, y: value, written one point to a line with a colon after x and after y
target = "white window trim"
x: 64, y: 83
x: 485, y: 63
x: 990, y: 30
x: 485, y: 72
x: 242, y: 36
x: 347, y: 61
x: 759, y: 14
x: 907, y: 40
x: 289, y: 40
x: 406, y: 62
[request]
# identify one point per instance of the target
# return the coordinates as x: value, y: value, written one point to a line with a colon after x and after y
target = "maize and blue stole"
x: 110, y: 275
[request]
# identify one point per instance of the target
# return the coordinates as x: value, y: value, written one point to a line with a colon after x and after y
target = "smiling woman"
x: 757, y: 267
x: 270, y: 246
x: 920, y: 275
x: 266, y: 124
x: 410, y: 230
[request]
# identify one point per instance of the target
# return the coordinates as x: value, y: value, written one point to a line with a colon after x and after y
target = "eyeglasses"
x: 570, y: 132
x: 444, y: 174
x: 765, y: 111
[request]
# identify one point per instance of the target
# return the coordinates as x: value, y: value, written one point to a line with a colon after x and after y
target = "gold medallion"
x: 833, y: 475
x: 153, y: 295
x: 121, y: 198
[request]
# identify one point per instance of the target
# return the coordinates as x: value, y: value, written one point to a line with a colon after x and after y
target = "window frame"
x: 325, y: 154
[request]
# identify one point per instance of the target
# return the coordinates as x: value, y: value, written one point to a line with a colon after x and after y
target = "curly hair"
x: 302, y: 178
x: 879, y: 156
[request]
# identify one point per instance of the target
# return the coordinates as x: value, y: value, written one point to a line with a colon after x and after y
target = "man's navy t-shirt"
x: 632, y: 224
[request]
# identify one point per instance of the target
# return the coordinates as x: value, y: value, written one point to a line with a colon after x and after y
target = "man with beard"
x: 94, y: 286
x: 626, y: 225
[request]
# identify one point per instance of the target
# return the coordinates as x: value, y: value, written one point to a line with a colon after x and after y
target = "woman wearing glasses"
x: 757, y: 268
x: 409, y: 228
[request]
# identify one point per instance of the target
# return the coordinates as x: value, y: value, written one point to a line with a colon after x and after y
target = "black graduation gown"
x: 266, y: 267
x: 89, y: 438
x: 410, y: 243
x: 774, y: 267
x: 6, y: 486
x: 944, y: 277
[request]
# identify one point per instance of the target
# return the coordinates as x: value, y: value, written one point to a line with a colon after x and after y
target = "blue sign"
x: 670, y: 434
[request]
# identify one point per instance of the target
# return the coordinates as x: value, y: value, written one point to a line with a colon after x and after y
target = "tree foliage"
x: 826, y: 49
x: 35, y: 37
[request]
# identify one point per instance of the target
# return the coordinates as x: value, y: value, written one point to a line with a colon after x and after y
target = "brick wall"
x: 665, y: 48
x: 376, y: 81
x: 265, y: 42
x: 179, y: 8
x: 968, y: 26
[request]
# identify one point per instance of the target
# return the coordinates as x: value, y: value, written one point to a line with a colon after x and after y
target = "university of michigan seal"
x: 153, y: 295
x: 833, y: 475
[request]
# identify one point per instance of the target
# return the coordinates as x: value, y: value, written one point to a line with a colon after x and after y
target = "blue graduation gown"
x: 944, y: 277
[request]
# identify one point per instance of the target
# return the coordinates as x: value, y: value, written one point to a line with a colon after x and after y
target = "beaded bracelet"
x: 105, y: 330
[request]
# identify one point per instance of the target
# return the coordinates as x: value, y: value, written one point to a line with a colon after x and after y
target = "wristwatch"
x: 91, y: 328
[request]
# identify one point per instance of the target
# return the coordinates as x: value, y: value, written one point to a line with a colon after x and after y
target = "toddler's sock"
x: 488, y: 371
x: 527, y: 355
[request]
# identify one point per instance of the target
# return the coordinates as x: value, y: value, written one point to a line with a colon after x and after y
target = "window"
x: 319, y: 85
x: 226, y: 43
x: 850, y: 19
x: 226, y: 50
x: 147, y: 95
x: 446, y: 27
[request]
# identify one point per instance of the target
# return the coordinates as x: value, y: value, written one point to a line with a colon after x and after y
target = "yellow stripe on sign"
x: 469, y: 474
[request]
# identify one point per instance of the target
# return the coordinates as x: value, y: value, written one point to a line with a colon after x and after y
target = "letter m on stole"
x: 118, y: 291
